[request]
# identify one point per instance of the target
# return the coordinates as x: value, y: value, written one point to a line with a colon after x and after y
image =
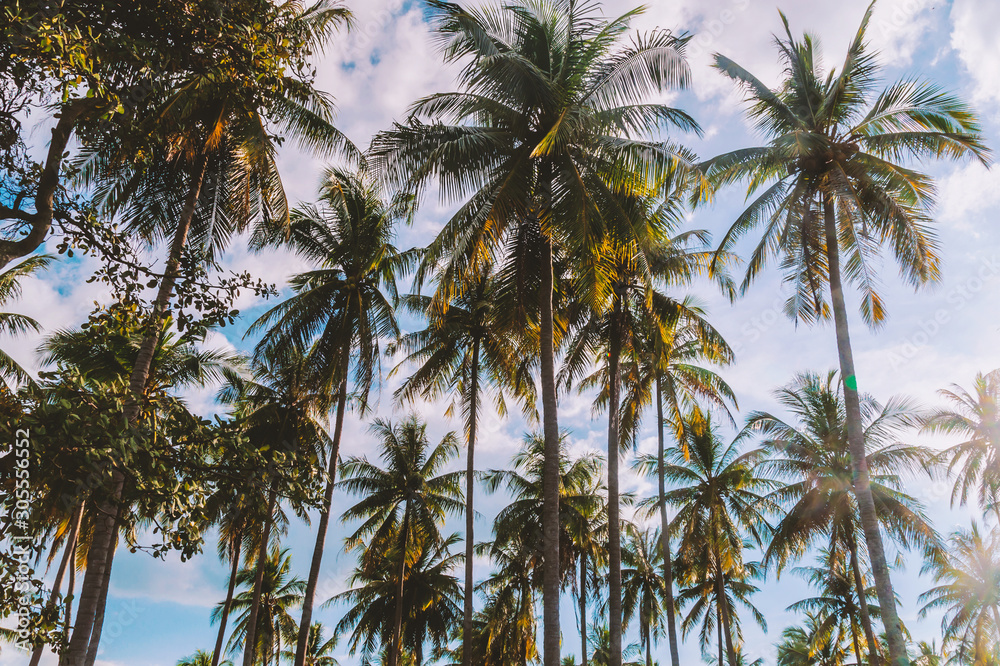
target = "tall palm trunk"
x: 720, y: 600
x: 309, y: 596
x: 614, y: 508
x: 649, y: 647
x: 72, y: 589
x: 250, y: 642
x: 856, y: 439
x: 550, y: 468
x: 470, y: 514
x: 859, y: 587
x: 718, y: 627
x: 95, y: 636
x: 396, y: 643
x: 668, y: 573
x: 106, y: 528
x: 67, y: 559
x: 227, y: 606
x: 854, y: 637
x: 583, y: 608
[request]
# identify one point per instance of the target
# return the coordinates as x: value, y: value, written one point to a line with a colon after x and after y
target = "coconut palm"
x: 536, y: 145
x: 835, y: 611
x: 835, y: 194
x: 509, y: 616
x: 201, y: 658
x: 817, y: 643
x: 402, y: 507
x: 968, y: 590
x: 588, y: 527
x: 720, y: 499
x: 664, y: 368
x: 11, y: 373
x: 319, y: 651
x: 975, y: 416
x: 643, y: 588
x: 275, y: 627
x: 461, y: 350
x: 282, y: 412
x: 812, y: 455
x: 341, y: 310
x: 428, y: 593
x: 600, y: 648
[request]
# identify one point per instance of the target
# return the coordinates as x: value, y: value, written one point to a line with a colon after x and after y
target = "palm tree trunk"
x: 614, y: 508
x: 470, y: 514
x: 250, y: 641
x: 856, y: 439
x: 68, y: 552
x: 71, y: 591
x: 395, y: 646
x: 649, y: 653
x: 720, y: 600
x: 227, y: 606
x: 668, y: 573
x: 856, y: 642
x: 308, y: 598
x: 583, y: 608
x: 95, y: 637
x: 550, y: 473
x: 105, y: 529
x: 718, y: 626
x: 859, y: 587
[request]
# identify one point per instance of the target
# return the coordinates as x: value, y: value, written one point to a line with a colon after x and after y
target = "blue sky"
x: 158, y: 611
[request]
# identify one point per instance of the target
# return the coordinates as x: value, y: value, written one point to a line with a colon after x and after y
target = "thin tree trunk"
x: 649, y: 649
x: 72, y: 590
x: 396, y: 647
x: 95, y: 636
x: 227, y: 606
x: 583, y: 608
x: 104, y: 530
x: 550, y: 470
x: 309, y: 596
x: 668, y: 573
x: 856, y: 439
x: 470, y: 514
x: 854, y: 639
x: 720, y: 599
x: 614, y: 508
x: 859, y: 586
x: 250, y: 642
x: 67, y: 560
x: 718, y: 626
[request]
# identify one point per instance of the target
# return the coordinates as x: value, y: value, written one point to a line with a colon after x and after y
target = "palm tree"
x: 608, y: 331
x: 975, y: 416
x: 508, y: 617
x: 600, y: 647
x: 968, y: 577
x: 461, y: 349
x: 341, y: 310
x: 588, y: 529
x: 720, y: 499
x: 815, y: 644
x: 225, y: 113
x: 813, y: 455
x: 201, y: 658
x: 664, y: 369
x: 11, y: 373
x: 835, y: 195
x: 537, y: 145
x: 643, y: 588
x: 319, y: 652
x: 281, y: 410
x: 836, y: 610
x: 275, y: 626
x: 403, y: 505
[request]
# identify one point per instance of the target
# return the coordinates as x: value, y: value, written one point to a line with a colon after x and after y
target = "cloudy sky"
x: 159, y: 611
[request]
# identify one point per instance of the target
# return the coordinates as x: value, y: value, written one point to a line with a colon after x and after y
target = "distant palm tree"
x: 545, y: 136
x: 402, y: 508
x: 813, y: 455
x: 428, y: 592
x: 588, y: 528
x: 835, y: 195
x: 201, y: 658
x: 600, y: 648
x: 836, y: 608
x: 319, y: 651
x: 643, y: 587
x: 509, y: 619
x: 276, y: 627
x: 968, y: 577
x: 341, y: 311
x: 12, y: 374
x: 975, y: 416
x: 817, y: 643
x: 720, y: 499
x: 462, y: 350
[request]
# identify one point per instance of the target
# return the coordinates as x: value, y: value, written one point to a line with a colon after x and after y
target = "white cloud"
x: 974, y: 38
